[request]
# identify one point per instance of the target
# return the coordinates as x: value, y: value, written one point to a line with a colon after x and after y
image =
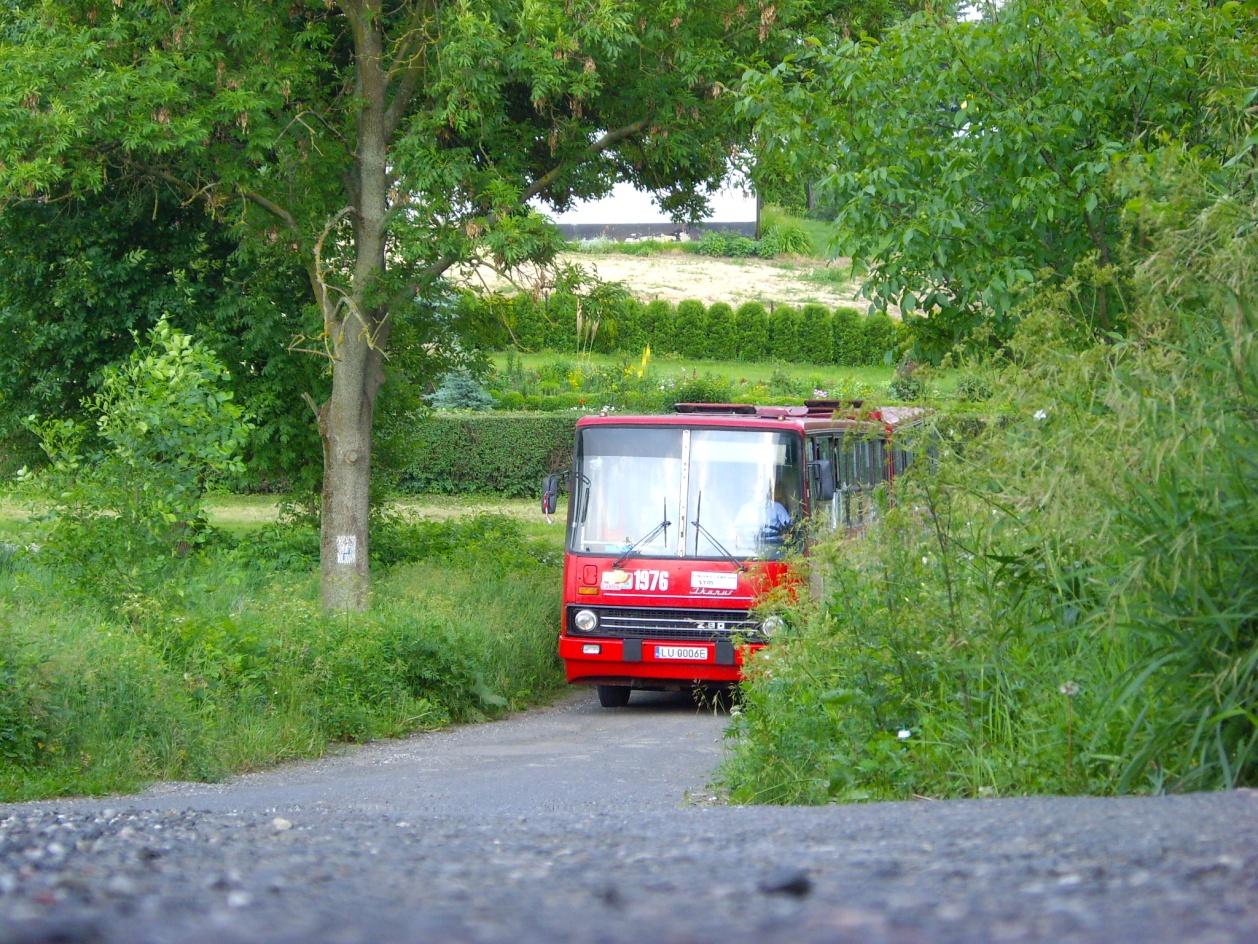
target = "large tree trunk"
x: 358, y: 335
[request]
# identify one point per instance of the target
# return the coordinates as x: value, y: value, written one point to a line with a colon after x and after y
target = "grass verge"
x: 228, y: 664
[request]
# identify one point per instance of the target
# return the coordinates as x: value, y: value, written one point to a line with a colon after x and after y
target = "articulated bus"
x: 679, y: 524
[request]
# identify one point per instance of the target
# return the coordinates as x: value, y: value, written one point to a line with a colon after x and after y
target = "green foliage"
x: 166, y: 426
x: 880, y: 339
x: 816, y: 341
x: 1066, y: 602
x: 689, y: 329
x: 751, y: 332
x: 907, y: 384
x: 973, y: 388
x: 459, y: 390
x: 235, y: 667
x: 81, y: 279
x: 784, y: 238
x: 659, y: 324
x: 720, y: 330
x: 784, y: 339
x: 705, y: 388
x: 849, y: 345
x: 715, y: 242
x: 489, y: 454
x: 992, y: 149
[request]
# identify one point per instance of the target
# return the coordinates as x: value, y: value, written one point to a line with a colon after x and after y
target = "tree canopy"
x: 963, y: 160
x: 377, y: 147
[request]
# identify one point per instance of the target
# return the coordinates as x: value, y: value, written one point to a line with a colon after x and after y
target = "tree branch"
x: 610, y: 139
x: 271, y: 207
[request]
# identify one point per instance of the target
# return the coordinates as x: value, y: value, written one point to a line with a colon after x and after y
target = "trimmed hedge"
x: 811, y: 335
x: 497, y: 454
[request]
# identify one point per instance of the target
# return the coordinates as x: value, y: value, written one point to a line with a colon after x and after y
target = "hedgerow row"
x: 811, y: 334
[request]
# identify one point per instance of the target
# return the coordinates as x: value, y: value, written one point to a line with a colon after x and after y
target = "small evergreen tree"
x: 720, y: 332
x: 459, y: 390
x: 690, y: 329
x: 751, y: 332
x: 849, y: 345
x: 658, y: 324
x: 816, y: 342
x: 784, y: 334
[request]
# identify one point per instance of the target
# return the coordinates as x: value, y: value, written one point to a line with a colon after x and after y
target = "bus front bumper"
x: 652, y: 661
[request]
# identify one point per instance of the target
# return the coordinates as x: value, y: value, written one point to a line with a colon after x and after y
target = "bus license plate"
x: 689, y: 653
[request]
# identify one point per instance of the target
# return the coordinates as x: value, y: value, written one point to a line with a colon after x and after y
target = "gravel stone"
x: 570, y: 824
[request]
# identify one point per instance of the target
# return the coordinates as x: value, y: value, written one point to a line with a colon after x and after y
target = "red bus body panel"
x: 690, y: 587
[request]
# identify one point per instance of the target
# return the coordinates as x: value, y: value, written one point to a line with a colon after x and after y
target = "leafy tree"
x: 962, y: 158
x: 379, y: 145
x: 81, y: 279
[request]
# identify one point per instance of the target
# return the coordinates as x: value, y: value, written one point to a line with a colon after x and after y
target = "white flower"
x: 1041, y: 415
x: 1069, y: 689
x: 904, y: 734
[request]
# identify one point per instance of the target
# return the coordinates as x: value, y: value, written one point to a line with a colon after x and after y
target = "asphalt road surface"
x: 575, y: 823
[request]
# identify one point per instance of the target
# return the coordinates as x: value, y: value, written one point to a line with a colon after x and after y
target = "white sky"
x: 626, y: 205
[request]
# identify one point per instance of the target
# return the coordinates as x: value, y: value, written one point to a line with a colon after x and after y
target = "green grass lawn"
x: 838, y: 381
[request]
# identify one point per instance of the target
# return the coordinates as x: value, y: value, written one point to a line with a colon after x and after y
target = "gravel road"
x: 574, y: 823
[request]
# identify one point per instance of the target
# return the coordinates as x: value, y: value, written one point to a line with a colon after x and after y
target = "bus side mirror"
x: 550, y: 493
x: 823, y: 478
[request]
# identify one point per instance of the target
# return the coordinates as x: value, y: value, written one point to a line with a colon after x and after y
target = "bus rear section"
x: 678, y: 526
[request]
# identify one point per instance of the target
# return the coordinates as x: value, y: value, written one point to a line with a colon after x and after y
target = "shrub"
x: 784, y: 334
x: 849, y: 345
x: 488, y: 454
x: 658, y: 324
x: 719, y: 243
x: 689, y: 329
x: 816, y: 340
x: 632, y: 335
x: 785, y: 237
x: 972, y: 388
x: 459, y: 390
x: 751, y: 332
x: 708, y: 388
x: 165, y: 427
x: 907, y: 383
x: 880, y: 340
x: 719, y: 324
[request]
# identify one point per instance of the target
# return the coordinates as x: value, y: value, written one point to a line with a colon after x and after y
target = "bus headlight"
x: 772, y: 624
x: 586, y: 620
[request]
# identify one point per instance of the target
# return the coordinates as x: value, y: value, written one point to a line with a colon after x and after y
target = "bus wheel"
x: 613, y: 696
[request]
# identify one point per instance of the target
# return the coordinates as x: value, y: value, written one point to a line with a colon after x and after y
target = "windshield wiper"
x: 633, y: 548
x: 712, y: 537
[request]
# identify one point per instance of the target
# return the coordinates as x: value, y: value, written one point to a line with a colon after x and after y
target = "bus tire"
x: 613, y: 696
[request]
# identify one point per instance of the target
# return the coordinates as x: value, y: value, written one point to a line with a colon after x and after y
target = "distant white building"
x: 627, y: 213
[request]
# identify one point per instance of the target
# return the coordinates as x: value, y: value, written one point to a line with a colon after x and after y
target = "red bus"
x: 679, y: 524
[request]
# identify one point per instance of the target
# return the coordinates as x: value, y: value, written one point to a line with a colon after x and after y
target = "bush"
x: 708, y: 388
x: 784, y: 334
x: 690, y: 329
x: 880, y: 340
x: 133, y: 497
x: 719, y: 323
x: 487, y: 454
x: 785, y: 237
x: 907, y: 384
x: 849, y: 344
x: 719, y: 243
x: 972, y: 389
x: 751, y: 332
x: 459, y: 390
x: 658, y: 323
x: 816, y: 335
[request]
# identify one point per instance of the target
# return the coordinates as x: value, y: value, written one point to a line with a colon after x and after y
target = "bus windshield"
x: 642, y: 489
